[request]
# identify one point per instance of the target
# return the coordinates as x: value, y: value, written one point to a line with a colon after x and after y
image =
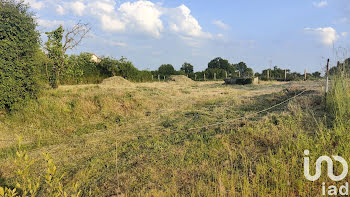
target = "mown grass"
x: 135, y: 141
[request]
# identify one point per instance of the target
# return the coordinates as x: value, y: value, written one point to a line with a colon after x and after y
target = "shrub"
x: 19, y: 43
x: 244, y: 81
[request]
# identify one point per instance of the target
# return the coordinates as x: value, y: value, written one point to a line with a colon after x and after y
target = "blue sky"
x: 295, y: 34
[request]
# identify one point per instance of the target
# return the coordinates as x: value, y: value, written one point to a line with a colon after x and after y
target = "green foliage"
x: 108, y: 66
x: 166, y: 70
x: 338, y: 100
x: 81, y: 69
x: 127, y: 70
x: 28, y: 185
x: 18, y: 46
x: 316, y: 74
x: 219, y: 63
x: 342, y: 69
x: 187, y: 68
x: 244, y: 81
x: 221, y: 66
x: 220, y: 73
x: 54, y: 47
x: 244, y: 70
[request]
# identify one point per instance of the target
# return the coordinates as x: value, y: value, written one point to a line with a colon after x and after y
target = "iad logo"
x: 329, y: 162
x: 332, y: 190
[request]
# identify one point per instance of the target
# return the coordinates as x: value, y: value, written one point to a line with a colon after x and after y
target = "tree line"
x: 27, y: 65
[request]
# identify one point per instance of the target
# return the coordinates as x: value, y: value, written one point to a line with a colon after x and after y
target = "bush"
x: 244, y: 81
x: 18, y: 46
x: 80, y: 69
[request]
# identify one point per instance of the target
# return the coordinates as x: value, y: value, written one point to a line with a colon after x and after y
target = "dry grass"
x: 79, y: 127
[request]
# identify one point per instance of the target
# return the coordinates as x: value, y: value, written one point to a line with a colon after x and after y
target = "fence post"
x: 327, y: 77
x: 285, y: 75
x: 268, y: 75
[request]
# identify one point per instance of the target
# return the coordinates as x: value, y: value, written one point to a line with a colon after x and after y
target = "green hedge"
x: 18, y: 48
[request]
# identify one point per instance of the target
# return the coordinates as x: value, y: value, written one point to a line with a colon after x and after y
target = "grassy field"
x: 164, y: 138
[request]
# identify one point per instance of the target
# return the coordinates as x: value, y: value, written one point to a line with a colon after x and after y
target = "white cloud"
x: 78, y: 7
x: 140, y: 16
x: 111, y: 24
x: 119, y: 44
x: 49, y: 23
x: 326, y: 35
x: 221, y: 24
x: 320, y: 4
x: 181, y: 21
x: 35, y: 4
x: 60, y: 10
x: 143, y: 16
x: 344, y: 34
x: 103, y: 7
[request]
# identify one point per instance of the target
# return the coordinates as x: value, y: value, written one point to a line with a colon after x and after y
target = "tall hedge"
x: 18, y: 45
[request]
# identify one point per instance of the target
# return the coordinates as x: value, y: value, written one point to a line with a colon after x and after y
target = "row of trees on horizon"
x: 27, y: 66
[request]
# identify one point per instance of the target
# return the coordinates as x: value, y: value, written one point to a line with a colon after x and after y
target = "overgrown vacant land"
x: 167, y: 138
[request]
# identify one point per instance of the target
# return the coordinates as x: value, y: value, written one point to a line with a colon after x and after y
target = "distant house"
x: 94, y: 58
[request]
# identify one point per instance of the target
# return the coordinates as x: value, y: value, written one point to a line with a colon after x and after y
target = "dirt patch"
x: 116, y: 81
x: 180, y: 79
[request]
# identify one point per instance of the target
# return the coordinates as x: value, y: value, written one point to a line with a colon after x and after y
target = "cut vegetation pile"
x: 180, y: 79
x: 116, y: 81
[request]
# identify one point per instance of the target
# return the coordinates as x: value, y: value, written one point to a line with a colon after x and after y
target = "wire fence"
x: 230, y: 121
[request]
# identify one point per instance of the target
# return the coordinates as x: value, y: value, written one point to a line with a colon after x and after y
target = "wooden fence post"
x: 268, y: 75
x: 285, y: 75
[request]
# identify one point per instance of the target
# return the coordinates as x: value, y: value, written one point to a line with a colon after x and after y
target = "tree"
x: 244, y: 70
x: 166, y: 70
x: 126, y: 69
x: 187, y: 68
x: 57, y: 47
x: 18, y: 48
x: 221, y: 64
x: 316, y: 74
